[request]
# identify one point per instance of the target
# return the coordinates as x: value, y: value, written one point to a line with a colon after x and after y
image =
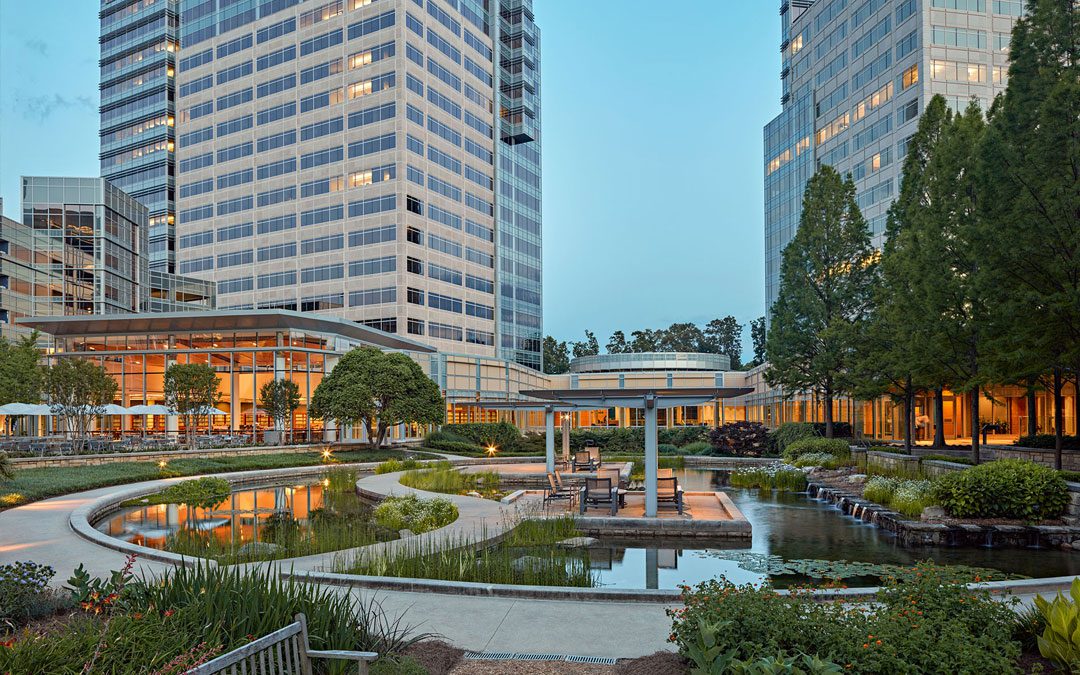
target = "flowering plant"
x: 21, y: 583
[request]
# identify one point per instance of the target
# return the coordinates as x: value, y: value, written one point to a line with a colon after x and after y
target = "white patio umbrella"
x: 113, y: 409
x: 150, y: 410
x: 210, y: 411
x: 25, y: 409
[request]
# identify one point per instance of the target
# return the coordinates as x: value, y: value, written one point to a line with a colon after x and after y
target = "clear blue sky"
x: 652, y: 128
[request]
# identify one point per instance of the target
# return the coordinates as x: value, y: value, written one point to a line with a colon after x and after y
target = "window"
x: 871, y: 71
x: 907, y: 44
x: 443, y: 74
x: 235, y: 285
x: 414, y: 55
x: 871, y: 37
x: 235, y: 258
x: 479, y: 124
x: 414, y: 144
x: 444, y: 331
x: 478, y: 45
x: 363, y: 268
x: 414, y: 236
x: 196, y: 60
x: 321, y: 157
x: 198, y: 136
x: 481, y: 205
x: 414, y: 24
x: 197, y: 111
x: 373, y: 235
x: 327, y: 214
x: 311, y: 275
x: 963, y: 5
x: 368, y: 26
x: 276, y: 85
x: 196, y: 162
x: 440, y: 43
x: 195, y: 213
x: 372, y: 145
x: 321, y: 100
x: 444, y: 18
x: 378, y: 174
x: 414, y: 266
x: 195, y: 86
x: 873, y: 101
x: 275, y: 141
x: 1008, y: 7
x: 233, y: 126
x: 444, y: 302
x: 824, y: 46
x: 443, y: 245
x: 953, y: 71
x: 320, y: 42
x: 234, y: 72
x: 197, y: 265
x: 414, y: 205
x: 479, y: 231
x: 479, y: 311
x: 910, y: 76
x: 415, y: 327
x: 277, y: 224
x: 905, y: 9
x: 322, y: 13
x: 873, y: 164
x: 276, y: 58
x: 907, y: 112
x: 833, y: 68
x: 236, y: 205
x: 234, y: 99
x: 958, y: 37
x: 443, y: 216
x: 366, y: 207
x: 478, y: 284
x: 234, y: 46
x: 320, y: 129
x: 443, y: 131
x: 479, y: 337
x: 367, y: 116
x: 375, y: 296
x: 271, y: 197
x: 320, y: 71
x: 374, y: 85
x: 479, y: 257
x: 235, y: 152
x: 235, y: 178
x: 479, y: 177
x: 316, y: 303
x: 197, y: 188
x: 879, y: 192
x: 444, y: 103
x: 478, y: 71
x: 440, y: 273
x: 479, y: 151
x: 413, y: 114
x: 444, y: 160
x: 414, y: 175
x: 443, y: 188
x: 277, y: 168
x: 373, y: 55
x: 278, y: 112
x: 872, y: 133
x: 277, y: 279
x: 275, y: 31
x: 231, y: 232
x: 276, y: 252
x: 413, y: 84
x: 322, y: 186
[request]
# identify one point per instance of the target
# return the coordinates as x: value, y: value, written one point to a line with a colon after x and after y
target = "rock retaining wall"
x: 892, y: 463
x: 1070, y: 459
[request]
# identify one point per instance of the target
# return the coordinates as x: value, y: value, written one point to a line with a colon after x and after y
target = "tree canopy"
x: 191, y: 389
x: 825, y: 280
x: 20, y: 374
x: 378, y: 390
x: 280, y: 399
x: 78, y: 390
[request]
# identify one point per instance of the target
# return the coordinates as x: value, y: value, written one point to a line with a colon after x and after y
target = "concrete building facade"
x: 372, y: 160
x: 856, y: 76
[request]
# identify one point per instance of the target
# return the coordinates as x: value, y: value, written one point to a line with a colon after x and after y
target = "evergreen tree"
x: 556, y: 356
x: 590, y: 346
x: 757, y: 336
x: 1031, y: 176
x: 617, y: 343
x: 825, y: 285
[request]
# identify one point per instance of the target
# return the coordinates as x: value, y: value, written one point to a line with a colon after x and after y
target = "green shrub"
x: 25, y: 592
x: 1007, y: 488
x: 200, y: 493
x: 7, y: 469
x: 414, y: 514
x: 681, y: 436
x: 789, y: 432
x: 880, y: 489
x: 838, y: 448
x: 1071, y: 476
x: 395, y: 465
x: 926, y: 624
x: 823, y: 459
x: 666, y: 449
x: 840, y: 429
x: 1047, y: 441
x: 502, y: 435
x: 1060, y: 640
x: 695, y: 448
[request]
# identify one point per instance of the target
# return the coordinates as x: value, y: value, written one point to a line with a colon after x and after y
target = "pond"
x: 789, y: 528
x: 306, y: 517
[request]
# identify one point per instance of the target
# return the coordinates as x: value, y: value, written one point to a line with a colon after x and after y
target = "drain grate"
x: 511, y: 656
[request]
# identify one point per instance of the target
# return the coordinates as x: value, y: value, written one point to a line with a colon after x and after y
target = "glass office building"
x: 372, y: 160
x: 138, y: 42
x: 856, y: 76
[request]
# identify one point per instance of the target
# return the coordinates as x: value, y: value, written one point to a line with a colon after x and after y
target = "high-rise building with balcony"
x: 138, y: 63
x: 856, y: 76
x: 377, y: 160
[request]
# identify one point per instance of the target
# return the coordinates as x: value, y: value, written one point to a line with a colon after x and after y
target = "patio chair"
x: 616, y: 479
x: 555, y: 490
x: 665, y: 473
x: 594, y: 457
x: 582, y: 462
x: 599, y: 492
x: 668, y: 491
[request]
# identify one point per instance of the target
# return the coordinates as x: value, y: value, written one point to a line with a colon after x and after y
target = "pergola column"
x: 549, y: 440
x: 566, y: 437
x: 650, y: 456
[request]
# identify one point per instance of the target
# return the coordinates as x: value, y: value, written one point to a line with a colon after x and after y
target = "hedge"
x: 837, y: 447
x: 502, y: 435
x: 1047, y: 441
x: 1007, y: 488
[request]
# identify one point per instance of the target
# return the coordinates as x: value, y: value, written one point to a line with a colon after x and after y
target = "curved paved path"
x: 41, y: 532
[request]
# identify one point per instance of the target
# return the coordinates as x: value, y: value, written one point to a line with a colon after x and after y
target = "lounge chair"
x: 668, y: 491
x: 556, y: 491
x: 600, y: 492
x: 582, y: 461
x: 616, y: 479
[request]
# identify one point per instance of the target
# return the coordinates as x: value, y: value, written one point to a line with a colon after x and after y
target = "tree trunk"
x: 1032, y: 426
x: 1059, y: 417
x: 975, y: 424
x: 382, y: 434
x: 909, y: 401
x: 1076, y: 403
x: 828, y: 413
x: 939, y: 418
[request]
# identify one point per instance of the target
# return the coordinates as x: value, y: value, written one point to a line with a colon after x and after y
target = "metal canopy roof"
x: 638, y: 397
x: 218, y: 320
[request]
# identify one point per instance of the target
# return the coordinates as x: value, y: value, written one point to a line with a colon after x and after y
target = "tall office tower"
x: 856, y: 75
x: 377, y: 160
x: 138, y: 50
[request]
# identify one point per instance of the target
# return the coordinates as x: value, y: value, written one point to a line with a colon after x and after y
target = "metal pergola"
x: 650, y: 399
x: 549, y: 409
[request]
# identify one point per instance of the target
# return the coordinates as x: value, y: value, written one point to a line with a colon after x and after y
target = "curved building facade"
x: 650, y: 361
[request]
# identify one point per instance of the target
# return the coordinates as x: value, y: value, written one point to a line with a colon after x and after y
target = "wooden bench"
x: 283, y: 652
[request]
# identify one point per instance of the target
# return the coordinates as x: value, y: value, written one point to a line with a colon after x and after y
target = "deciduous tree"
x: 556, y: 356
x: 280, y: 399
x: 191, y: 389
x: 724, y: 336
x: 590, y: 346
x: 78, y: 391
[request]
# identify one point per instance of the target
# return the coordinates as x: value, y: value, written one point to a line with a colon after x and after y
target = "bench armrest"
x: 342, y: 654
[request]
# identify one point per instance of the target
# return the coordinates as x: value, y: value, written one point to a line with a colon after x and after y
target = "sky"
x: 652, y: 117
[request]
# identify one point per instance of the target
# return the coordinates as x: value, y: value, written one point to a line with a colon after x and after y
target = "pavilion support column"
x: 549, y: 437
x: 566, y: 437
x: 650, y: 456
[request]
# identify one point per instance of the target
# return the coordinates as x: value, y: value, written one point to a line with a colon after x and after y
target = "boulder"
x: 578, y: 542
x: 474, y: 493
x: 257, y: 549
x: 932, y: 513
x: 857, y: 478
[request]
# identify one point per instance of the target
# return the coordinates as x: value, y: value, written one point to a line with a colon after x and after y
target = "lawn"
x: 31, y: 485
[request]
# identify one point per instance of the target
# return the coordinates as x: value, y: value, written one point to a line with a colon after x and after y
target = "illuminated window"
x: 953, y: 71
x: 879, y: 97
x: 910, y: 76
x: 839, y: 125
